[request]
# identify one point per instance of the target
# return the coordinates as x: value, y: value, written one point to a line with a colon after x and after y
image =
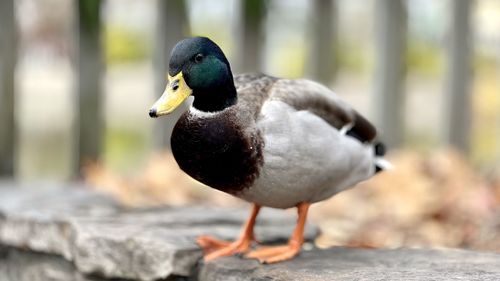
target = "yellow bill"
x: 176, y: 92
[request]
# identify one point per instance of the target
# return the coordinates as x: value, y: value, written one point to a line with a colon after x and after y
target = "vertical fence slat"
x: 253, y: 13
x: 89, y: 119
x: 323, y: 19
x: 458, y: 89
x: 8, y: 57
x: 497, y: 124
x: 172, y: 26
x: 391, y: 25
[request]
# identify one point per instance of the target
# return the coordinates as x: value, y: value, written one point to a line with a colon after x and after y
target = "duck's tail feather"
x: 380, y: 163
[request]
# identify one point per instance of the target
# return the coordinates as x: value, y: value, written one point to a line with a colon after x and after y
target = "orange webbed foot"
x: 286, y: 252
x: 274, y: 254
x: 214, y: 248
x: 210, y: 244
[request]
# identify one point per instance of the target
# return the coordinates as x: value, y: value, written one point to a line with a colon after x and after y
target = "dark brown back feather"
x: 365, y: 131
x: 255, y: 89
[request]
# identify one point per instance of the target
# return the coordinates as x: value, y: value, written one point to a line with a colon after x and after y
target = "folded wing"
x: 308, y: 95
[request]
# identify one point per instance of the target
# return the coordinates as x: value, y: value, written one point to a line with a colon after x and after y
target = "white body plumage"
x: 305, y: 159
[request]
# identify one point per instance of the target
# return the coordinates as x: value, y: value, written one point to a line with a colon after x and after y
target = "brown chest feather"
x: 217, y: 152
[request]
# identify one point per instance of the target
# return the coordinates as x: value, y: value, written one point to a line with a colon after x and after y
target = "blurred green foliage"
x: 125, y: 149
x: 486, y: 63
x: 291, y: 68
x: 424, y: 58
x: 486, y: 102
x: 125, y: 45
x: 351, y: 57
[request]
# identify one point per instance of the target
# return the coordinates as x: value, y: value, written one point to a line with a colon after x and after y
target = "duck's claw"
x: 274, y: 254
x: 288, y: 251
x: 214, y: 248
x: 210, y: 244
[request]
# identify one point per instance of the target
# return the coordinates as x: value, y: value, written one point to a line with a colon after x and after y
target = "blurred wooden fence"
x: 8, y: 53
x: 171, y: 26
x: 89, y: 123
x: 389, y: 72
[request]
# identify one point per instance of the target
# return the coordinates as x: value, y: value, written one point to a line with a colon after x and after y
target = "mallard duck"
x: 274, y: 142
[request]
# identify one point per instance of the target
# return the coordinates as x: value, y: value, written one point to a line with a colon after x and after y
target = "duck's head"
x: 197, y: 67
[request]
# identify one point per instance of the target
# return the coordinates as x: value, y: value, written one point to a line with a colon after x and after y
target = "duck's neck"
x: 213, y: 100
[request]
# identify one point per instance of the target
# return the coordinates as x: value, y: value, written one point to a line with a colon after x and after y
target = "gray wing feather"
x: 255, y: 89
x: 316, y: 98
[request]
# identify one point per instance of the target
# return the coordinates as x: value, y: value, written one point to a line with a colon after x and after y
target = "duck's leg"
x: 288, y: 251
x: 214, y: 248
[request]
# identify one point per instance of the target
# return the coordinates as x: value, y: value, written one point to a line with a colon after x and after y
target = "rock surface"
x: 358, y: 264
x: 101, y: 237
x: 17, y: 265
x: 51, y: 233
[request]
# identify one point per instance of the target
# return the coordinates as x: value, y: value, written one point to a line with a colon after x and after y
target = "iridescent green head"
x: 197, y: 67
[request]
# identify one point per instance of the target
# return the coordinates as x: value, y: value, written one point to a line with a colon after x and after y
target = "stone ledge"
x: 18, y: 265
x: 358, y: 264
x: 52, y: 233
x: 103, y: 238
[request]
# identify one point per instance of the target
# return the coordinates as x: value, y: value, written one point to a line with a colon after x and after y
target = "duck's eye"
x: 198, y: 58
x: 175, y: 85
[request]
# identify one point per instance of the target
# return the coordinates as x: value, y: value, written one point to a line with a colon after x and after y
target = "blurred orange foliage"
x: 161, y: 182
x: 435, y: 200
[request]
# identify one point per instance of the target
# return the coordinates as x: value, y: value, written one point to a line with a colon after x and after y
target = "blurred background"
x: 77, y: 79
